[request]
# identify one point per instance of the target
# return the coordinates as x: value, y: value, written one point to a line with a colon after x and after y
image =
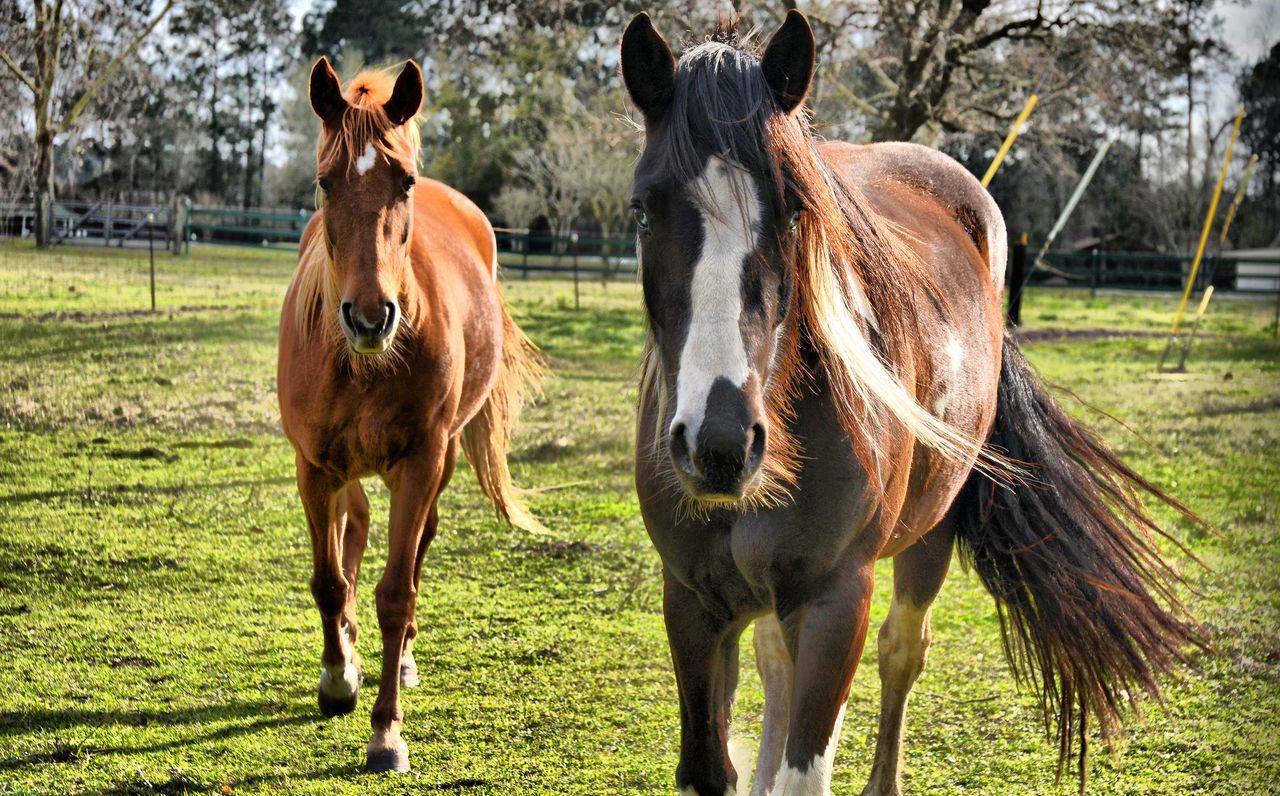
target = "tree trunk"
x: 44, y: 189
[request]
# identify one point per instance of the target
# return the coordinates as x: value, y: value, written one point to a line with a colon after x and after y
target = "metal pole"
x: 1096, y: 257
x: 1275, y: 327
x: 1074, y: 200
x: 573, y: 241
x: 1017, y: 271
x: 151, y: 251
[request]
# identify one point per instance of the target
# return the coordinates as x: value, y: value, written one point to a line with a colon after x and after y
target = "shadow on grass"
x: 253, y: 717
x: 120, y: 490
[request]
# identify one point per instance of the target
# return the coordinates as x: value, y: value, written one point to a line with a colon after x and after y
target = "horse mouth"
x: 720, y: 495
x: 370, y: 346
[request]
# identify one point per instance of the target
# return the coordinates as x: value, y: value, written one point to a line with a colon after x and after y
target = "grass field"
x: 158, y: 634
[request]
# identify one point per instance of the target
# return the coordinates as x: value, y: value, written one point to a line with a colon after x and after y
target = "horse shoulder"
x: 460, y: 219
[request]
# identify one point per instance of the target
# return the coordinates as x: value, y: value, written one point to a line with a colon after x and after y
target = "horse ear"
x: 648, y: 67
x: 788, y: 61
x: 406, y: 97
x: 326, y: 92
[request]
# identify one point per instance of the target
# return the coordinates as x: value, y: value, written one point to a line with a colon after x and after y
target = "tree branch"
x: 110, y: 70
x: 17, y: 72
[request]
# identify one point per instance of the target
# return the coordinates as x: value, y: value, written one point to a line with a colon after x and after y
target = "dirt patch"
x: 143, y: 454
x: 557, y: 550
x: 1082, y: 335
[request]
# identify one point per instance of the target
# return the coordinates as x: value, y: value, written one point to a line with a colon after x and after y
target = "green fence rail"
x: 527, y: 253
x: 244, y: 227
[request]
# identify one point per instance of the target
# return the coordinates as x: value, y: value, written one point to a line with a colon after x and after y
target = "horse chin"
x: 366, y: 347
x: 704, y: 496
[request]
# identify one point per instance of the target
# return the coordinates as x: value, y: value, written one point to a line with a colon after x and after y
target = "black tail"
x: 1088, y: 607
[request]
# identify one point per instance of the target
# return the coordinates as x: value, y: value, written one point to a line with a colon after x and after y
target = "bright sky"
x: 1252, y: 29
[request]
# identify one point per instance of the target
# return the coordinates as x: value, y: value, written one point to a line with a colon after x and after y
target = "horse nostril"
x: 389, y: 318
x: 680, y: 449
x: 346, y: 316
x: 757, y: 443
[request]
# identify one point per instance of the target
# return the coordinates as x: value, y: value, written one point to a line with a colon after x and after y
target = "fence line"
x: 526, y: 253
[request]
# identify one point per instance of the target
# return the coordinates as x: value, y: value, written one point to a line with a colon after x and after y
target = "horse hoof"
x: 381, y: 761
x: 331, y: 707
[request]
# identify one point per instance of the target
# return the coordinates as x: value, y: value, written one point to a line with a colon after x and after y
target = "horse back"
x: 929, y: 195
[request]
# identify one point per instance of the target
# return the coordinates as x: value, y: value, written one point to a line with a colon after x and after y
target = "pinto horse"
x: 395, y: 349
x: 828, y: 382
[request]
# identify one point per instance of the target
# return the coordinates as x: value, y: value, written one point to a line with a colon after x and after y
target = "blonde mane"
x: 364, y: 123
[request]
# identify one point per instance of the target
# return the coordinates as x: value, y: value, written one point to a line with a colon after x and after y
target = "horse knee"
x: 330, y: 593
x: 395, y: 606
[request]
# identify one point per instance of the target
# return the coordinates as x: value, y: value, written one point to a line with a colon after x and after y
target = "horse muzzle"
x: 369, y: 330
x: 719, y: 461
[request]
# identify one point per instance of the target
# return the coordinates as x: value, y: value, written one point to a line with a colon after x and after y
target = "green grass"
x: 158, y: 633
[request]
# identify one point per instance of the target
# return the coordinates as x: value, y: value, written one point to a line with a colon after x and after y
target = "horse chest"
x: 356, y: 430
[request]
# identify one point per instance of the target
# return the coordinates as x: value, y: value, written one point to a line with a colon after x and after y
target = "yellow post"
x: 1208, y: 223
x: 1235, y: 203
x: 1008, y: 140
x: 1186, y: 347
x: 1204, y: 302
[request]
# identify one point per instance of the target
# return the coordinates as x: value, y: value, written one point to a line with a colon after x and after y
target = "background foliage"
x: 525, y: 112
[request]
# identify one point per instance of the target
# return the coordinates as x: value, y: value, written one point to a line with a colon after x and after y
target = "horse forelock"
x: 855, y: 274
x: 365, y: 123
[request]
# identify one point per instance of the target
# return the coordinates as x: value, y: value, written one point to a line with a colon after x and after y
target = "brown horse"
x: 828, y: 382
x: 395, y: 348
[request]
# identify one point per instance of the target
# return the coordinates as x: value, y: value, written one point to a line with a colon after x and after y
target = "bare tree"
x: 40, y: 68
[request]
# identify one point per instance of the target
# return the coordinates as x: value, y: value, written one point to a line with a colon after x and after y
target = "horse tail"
x: 1088, y: 607
x: 486, y: 439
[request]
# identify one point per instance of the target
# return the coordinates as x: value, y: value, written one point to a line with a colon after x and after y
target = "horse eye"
x: 325, y: 184
x: 642, y: 218
x: 409, y: 180
x: 795, y: 219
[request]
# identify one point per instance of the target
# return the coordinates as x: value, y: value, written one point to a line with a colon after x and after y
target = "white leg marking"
x: 365, y: 161
x: 713, y: 347
x: 776, y: 673
x: 816, y: 779
x: 339, y: 680
x: 729, y: 791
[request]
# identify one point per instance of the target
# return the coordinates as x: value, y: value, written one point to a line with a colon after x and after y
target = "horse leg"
x: 773, y: 660
x: 408, y: 666
x: 354, y: 540
x: 828, y: 637
x: 918, y: 573
x: 326, y: 503
x: 704, y: 652
x: 414, y: 485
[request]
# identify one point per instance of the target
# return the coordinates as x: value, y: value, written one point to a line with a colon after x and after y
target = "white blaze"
x: 713, y: 347
x: 365, y: 161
